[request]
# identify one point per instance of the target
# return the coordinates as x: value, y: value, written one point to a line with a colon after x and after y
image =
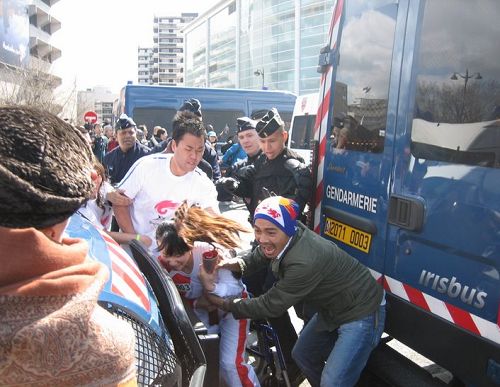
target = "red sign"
x: 90, y: 117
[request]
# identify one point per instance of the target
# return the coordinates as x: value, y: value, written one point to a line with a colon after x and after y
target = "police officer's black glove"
x: 246, y: 173
x: 228, y: 183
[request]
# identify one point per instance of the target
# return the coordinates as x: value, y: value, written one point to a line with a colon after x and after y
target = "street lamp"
x: 258, y: 73
x: 466, y: 78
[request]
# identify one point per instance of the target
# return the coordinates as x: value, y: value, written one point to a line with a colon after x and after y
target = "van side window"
x: 155, y: 116
x: 303, y: 127
x: 217, y: 118
x: 362, y: 87
x: 457, y: 92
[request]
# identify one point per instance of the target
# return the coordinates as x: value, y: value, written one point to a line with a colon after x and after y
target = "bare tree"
x: 457, y: 104
x: 84, y: 104
x: 31, y: 85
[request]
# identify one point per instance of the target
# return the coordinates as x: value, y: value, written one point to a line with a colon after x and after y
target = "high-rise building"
x: 42, y: 26
x: 257, y: 44
x: 26, y: 33
x: 27, y: 54
x: 145, y: 65
x: 164, y: 63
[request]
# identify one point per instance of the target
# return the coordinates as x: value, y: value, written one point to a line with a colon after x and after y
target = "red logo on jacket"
x: 163, y: 207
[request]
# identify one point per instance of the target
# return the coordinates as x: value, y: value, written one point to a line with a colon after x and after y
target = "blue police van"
x: 157, y: 105
x: 407, y: 164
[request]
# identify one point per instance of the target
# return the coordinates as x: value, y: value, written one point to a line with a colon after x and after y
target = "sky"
x: 99, y: 38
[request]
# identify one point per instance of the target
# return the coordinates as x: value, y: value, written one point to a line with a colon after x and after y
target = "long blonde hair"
x: 196, y: 224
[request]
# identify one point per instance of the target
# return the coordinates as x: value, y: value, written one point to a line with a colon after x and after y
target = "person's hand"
x: 145, y: 240
x: 246, y: 173
x: 208, y: 279
x: 118, y: 198
x: 203, y: 303
x: 228, y: 183
x: 215, y: 300
x: 232, y: 264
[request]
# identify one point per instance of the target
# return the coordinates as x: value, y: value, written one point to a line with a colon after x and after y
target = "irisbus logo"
x: 453, y: 288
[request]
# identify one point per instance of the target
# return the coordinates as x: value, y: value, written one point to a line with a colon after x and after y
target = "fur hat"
x: 193, y: 105
x: 45, y: 168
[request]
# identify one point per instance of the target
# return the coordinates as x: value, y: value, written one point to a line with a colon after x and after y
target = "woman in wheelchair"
x: 183, y: 243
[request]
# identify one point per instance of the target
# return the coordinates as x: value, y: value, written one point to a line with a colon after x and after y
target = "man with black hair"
x: 129, y: 150
x: 210, y: 161
x: 160, y: 182
x: 209, y: 155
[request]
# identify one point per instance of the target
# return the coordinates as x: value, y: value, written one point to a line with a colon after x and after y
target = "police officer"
x: 248, y: 139
x: 128, y: 151
x: 276, y: 171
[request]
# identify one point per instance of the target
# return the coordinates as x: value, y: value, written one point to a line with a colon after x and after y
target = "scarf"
x: 53, y: 331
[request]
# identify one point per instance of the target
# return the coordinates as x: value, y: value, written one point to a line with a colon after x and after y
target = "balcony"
x: 172, y: 66
x: 41, y: 18
x: 167, y: 26
x: 40, y: 46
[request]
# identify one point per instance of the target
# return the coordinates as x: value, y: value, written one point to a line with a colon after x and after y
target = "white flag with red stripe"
x: 126, y: 279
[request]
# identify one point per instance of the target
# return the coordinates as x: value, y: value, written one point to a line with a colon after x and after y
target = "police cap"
x: 270, y: 123
x: 125, y: 122
x: 245, y: 123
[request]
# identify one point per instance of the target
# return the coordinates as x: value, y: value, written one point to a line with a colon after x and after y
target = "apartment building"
x: 26, y: 29
x: 145, y: 65
x: 163, y: 64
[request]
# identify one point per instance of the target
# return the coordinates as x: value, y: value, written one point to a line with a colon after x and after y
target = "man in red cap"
x: 334, y: 346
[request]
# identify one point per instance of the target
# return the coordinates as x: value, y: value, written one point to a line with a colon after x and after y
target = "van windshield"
x: 302, y: 131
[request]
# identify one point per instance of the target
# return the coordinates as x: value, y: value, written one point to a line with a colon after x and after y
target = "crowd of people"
x: 164, y: 191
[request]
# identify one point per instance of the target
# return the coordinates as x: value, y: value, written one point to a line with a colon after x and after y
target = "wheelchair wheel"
x: 257, y: 351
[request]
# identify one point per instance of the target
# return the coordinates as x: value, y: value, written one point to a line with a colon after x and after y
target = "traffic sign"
x: 90, y: 116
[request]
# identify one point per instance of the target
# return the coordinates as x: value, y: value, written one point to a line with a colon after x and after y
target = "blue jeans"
x: 345, y: 350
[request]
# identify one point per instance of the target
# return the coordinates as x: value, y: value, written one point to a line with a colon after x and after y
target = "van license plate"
x: 349, y: 235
